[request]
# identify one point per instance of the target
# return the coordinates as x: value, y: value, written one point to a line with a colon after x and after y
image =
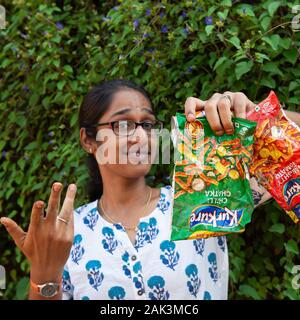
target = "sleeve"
x: 260, y: 194
x: 223, y: 267
x: 67, y: 287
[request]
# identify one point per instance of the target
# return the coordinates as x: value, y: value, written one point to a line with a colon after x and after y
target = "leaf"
x: 242, y: 68
x: 273, y: 6
x: 249, y: 291
x: 226, y: 3
x: 68, y: 69
x: 268, y: 82
x: 292, y: 246
x: 277, y: 228
x: 273, y: 41
x: 22, y: 288
x: 61, y: 84
x: 209, y: 29
x: 31, y: 146
x: 291, y: 55
x: 235, y: 41
x: 272, y: 68
x: 265, y: 23
x: 285, y: 43
x: 219, y: 62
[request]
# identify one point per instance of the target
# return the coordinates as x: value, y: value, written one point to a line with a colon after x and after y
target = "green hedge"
x: 52, y: 53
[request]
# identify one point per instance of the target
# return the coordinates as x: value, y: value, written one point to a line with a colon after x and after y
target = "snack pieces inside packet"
x: 212, y: 195
x: 276, y: 159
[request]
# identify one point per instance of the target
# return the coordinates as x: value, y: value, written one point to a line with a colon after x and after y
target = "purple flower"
x: 50, y: 133
x: 190, y: 69
x: 146, y: 35
x: 209, y: 21
x: 148, y: 12
x: 4, y: 153
x: 45, y: 33
x: 184, y: 14
x: 59, y: 25
x: 200, y: 9
x: 51, y: 141
x: 25, y: 88
x: 164, y: 29
x: 136, y: 24
x: 161, y: 15
x: 116, y: 8
x: 186, y: 31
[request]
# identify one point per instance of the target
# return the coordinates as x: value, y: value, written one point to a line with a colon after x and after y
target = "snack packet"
x: 212, y: 195
x: 276, y: 159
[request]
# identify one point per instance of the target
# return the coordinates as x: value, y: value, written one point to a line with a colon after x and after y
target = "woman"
x: 117, y: 246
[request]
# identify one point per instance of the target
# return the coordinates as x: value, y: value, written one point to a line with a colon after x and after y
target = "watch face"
x: 49, y: 290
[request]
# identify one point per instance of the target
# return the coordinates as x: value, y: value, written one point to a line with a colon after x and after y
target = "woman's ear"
x: 86, y: 142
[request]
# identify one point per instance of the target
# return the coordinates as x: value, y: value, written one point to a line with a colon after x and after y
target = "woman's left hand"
x: 219, y: 110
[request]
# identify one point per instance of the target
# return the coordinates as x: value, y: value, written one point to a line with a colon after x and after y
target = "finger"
x: 212, y: 115
x: 54, y: 202
x: 191, y: 106
x: 250, y: 105
x: 240, y: 105
x: 16, y: 232
x: 37, y: 214
x: 68, y: 205
x: 224, y: 110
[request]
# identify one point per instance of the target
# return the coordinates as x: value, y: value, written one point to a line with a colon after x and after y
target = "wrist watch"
x: 47, y: 290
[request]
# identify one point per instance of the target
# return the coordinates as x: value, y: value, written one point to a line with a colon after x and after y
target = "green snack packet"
x: 212, y: 194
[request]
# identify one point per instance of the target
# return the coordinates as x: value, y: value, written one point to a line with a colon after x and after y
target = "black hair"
x: 94, y: 105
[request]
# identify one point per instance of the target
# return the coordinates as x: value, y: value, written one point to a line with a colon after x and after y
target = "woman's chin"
x: 135, y: 170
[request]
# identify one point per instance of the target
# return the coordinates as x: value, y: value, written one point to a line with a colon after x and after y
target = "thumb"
x: 16, y: 232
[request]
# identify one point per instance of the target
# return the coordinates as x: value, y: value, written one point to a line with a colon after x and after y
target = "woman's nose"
x: 139, y: 135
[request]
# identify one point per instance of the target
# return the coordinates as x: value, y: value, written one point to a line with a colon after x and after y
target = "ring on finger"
x: 226, y: 96
x: 63, y: 220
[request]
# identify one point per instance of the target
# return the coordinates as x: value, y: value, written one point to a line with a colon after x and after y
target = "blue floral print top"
x: 104, y: 263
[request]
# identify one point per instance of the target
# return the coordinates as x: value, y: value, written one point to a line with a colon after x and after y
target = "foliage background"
x: 53, y: 51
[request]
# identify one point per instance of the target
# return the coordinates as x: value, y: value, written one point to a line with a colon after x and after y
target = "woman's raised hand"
x: 219, y: 109
x: 49, y: 238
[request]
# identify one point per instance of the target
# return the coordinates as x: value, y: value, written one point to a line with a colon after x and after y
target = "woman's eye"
x: 123, y: 125
x: 148, y: 125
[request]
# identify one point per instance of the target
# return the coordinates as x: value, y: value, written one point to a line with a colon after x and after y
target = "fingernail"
x: 56, y: 187
x: 229, y: 131
x: 191, y: 117
x: 73, y: 187
x: 219, y: 133
x: 2, y: 221
x: 39, y: 205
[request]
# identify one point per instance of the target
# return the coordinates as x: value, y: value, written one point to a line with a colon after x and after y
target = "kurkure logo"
x: 215, y: 216
x: 291, y: 190
x: 194, y: 129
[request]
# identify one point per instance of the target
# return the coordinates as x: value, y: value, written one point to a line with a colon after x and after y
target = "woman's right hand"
x: 48, y: 241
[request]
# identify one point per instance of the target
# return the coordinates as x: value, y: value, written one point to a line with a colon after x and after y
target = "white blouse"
x: 104, y: 263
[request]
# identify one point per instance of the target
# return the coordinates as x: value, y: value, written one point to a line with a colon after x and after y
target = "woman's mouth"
x: 138, y: 157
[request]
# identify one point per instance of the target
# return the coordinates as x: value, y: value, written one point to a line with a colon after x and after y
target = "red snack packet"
x: 276, y: 159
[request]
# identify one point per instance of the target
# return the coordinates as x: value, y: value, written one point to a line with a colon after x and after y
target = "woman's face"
x: 127, y: 156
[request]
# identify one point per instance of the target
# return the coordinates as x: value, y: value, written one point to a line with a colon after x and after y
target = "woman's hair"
x: 94, y: 105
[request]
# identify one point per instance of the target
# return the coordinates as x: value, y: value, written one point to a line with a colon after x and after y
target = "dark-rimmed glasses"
x: 128, y: 127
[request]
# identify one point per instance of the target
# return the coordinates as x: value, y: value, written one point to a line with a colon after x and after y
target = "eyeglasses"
x: 128, y: 127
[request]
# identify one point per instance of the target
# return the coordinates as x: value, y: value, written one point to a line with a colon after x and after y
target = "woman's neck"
x: 123, y: 197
